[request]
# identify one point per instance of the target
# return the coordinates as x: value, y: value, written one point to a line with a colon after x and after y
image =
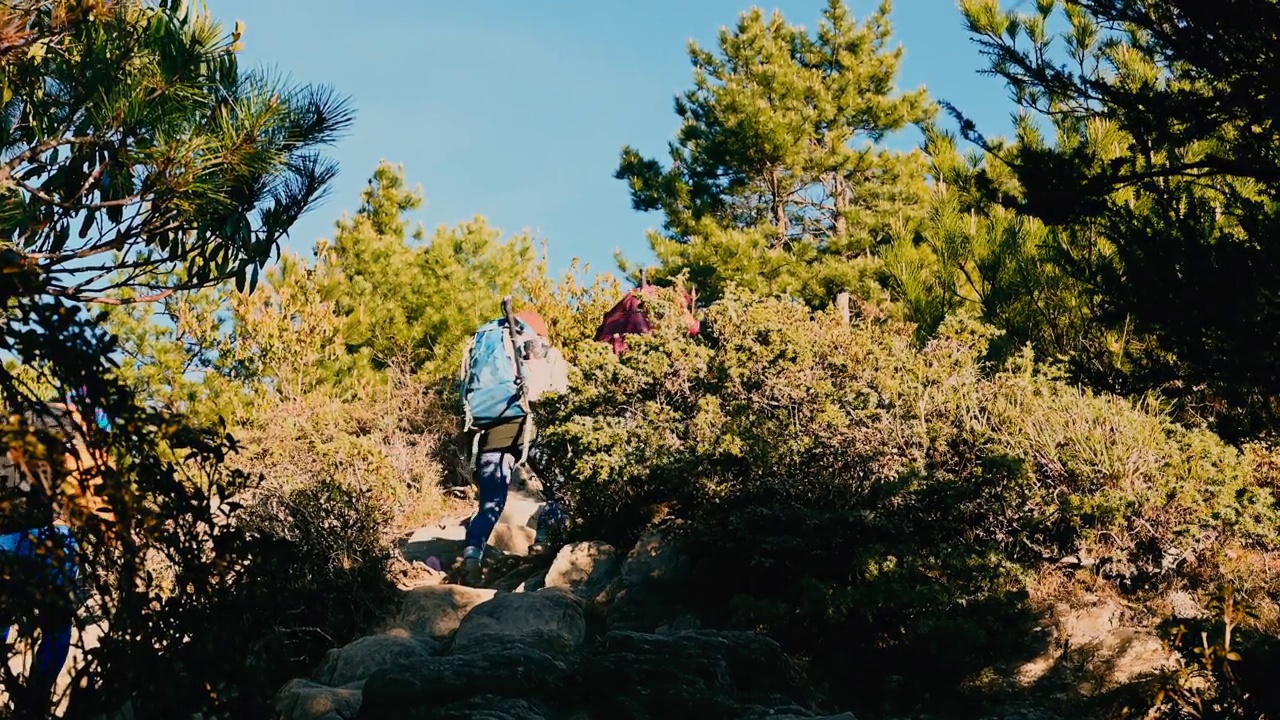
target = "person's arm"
x: 559, y: 381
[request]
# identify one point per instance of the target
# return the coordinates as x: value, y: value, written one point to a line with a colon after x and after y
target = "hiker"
x: 509, y: 364
x: 629, y: 317
x: 81, y: 396
x: 36, y: 543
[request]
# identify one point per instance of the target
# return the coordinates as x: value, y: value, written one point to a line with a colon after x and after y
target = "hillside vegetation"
x: 1057, y: 379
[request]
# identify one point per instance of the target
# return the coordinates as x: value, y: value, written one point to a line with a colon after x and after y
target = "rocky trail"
x: 586, y: 632
x: 591, y: 631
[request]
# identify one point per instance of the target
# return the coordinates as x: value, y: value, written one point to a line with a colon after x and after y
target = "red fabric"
x: 533, y: 320
x: 625, y: 318
x: 628, y: 318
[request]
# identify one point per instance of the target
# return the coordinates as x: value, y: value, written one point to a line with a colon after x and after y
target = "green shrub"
x: 867, y: 498
x: 319, y: 578
x: 1220, y: 672
x: 386, y: 442
x: 208, y: 587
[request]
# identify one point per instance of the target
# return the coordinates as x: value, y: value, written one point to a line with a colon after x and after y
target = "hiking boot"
x: 540, y: 544
x: 471, y: 572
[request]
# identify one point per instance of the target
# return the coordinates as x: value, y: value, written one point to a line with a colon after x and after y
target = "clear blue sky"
x: 517, y: 110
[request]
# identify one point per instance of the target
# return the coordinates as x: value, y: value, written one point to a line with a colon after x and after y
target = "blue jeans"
x: 57, y: 561
x: 493, y: 478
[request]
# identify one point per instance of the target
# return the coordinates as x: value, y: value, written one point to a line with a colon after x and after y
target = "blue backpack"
x: 490, y: 391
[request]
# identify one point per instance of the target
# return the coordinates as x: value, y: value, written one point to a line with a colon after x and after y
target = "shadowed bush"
x: 879, y: 505
x: 197, y: 605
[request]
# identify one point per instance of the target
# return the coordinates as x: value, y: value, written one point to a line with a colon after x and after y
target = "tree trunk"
x: 841, y: 197
x: 780, y: 219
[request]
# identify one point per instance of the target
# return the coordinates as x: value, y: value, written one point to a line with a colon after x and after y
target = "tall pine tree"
x: 413, y: 299
x: 1149, y: 141
x: 777, y: 178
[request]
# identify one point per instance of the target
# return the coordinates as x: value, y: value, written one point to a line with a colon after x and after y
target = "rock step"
x: 523, y: 652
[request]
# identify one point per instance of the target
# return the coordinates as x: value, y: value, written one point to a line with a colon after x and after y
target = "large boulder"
x: 650, y: 592
x: 515, y: 645
x: 584, y: 568
x: 512, y: 539
x: 655, y: 559
x: 522, y: 509
x: 703, y: 674
x: 1095, y: 647
x: 436, y: 610
x: 512, y: 671
x: 359, y: 659
x: 707, y: 675
x: 550, y: 620
x: 305, y: 700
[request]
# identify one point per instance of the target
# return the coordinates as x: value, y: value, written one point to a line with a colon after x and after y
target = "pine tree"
x: 413, y: 299
x: 968, y: 254
x: 1150, y: 144
x: 376, y: 284
x: 777, y: 180
x: 133, y: 141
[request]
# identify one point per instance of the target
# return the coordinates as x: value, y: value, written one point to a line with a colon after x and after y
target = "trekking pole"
x: 522, y: 385
x: 515, y: 347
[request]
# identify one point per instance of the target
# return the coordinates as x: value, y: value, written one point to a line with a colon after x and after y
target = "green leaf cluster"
x: 777, y: 176
x: 135, y: 146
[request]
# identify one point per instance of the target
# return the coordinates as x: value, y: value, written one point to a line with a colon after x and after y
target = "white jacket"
x: 547, y: 374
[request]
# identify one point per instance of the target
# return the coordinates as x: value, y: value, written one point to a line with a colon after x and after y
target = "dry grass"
x: 386, y: 443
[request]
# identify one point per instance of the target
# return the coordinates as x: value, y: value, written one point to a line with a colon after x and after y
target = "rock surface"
x: 693, y: 674
x: 522, y: 651
x: 358, y: 660
x: 512, y: 539
x: 592, y: 632
x: 655, y: 559
x: 649, y: 592
x: 584, y: 568
x: 306, y: 700
x: 514, y: 671
x: 522, y: 509
x: 1094, y: 648
x: 549, y: 620
x: 436, y: 611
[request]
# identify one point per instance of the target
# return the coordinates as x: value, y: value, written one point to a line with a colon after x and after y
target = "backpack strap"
x: 522, y: 380
x: 522, y: 376
x: 464, y: 375
x: 475, y: 451
x: 464, y: 378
